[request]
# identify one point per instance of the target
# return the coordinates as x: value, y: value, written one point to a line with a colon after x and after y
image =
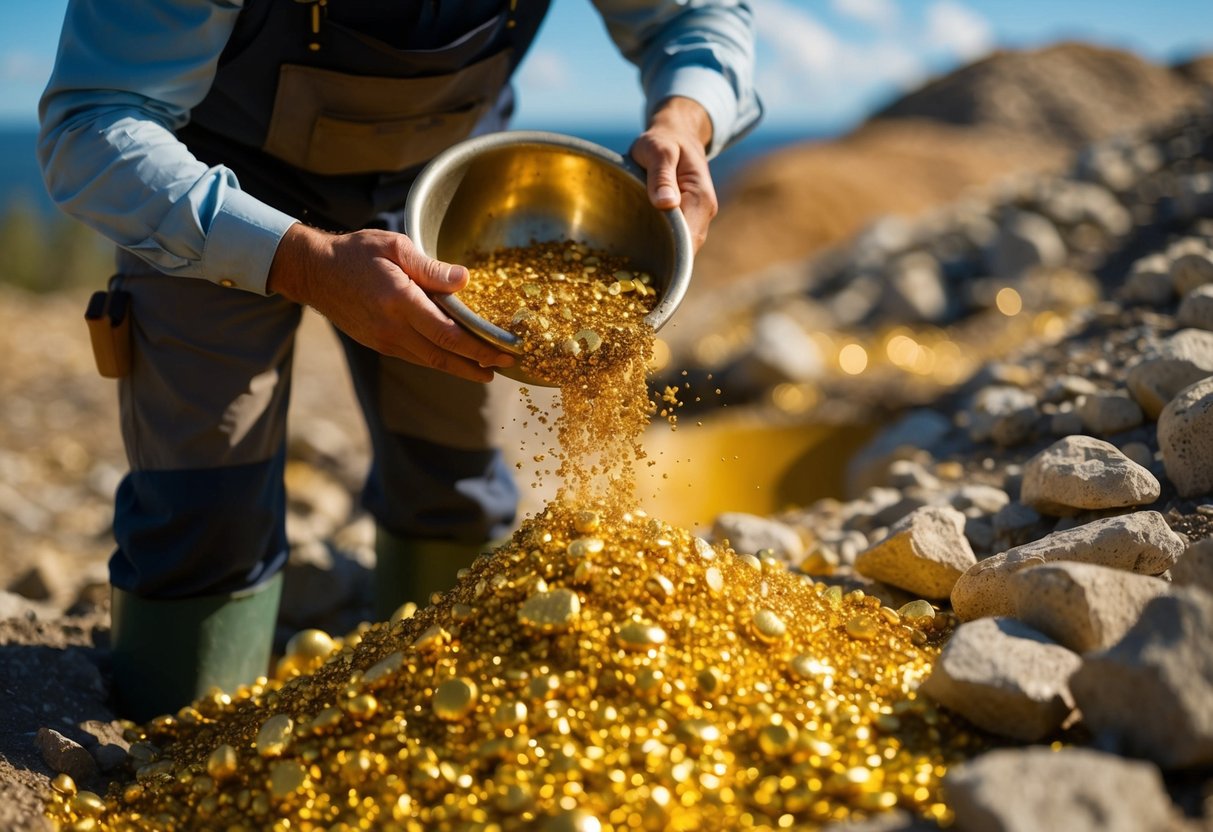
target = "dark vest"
x: 328, y: 111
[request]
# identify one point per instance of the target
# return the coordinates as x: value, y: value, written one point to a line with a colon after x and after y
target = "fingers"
x: 677, y: 176
x: 432, y: 275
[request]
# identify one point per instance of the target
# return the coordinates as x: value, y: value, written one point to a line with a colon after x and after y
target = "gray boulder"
x: 1082, y: 472
x: 1005, y: 678
x: 1025, y: 241
x: 1196, y: 309
x: 1195, y: 566
x: 1140, y: 542
x: 1185, y: 437
x: 1151, y: 694
x: 1082, y: 606
x: 749, y: 533
x: 1107, y: 413
x: 925, y: 553
x: 1072, y: 789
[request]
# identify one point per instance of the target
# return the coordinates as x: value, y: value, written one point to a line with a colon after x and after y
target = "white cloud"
x: 24, y: 68
x: 880, y: 13
x: 808, y: 71
x: 546, y: 71
x: 957, y: 30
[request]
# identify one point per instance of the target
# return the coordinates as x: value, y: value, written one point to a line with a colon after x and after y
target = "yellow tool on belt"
x: 109, y: 328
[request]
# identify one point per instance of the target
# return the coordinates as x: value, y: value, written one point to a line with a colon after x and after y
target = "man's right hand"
x: 373, y: 286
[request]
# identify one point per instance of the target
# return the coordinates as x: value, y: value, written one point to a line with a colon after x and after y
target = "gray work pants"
x: 203, y: 413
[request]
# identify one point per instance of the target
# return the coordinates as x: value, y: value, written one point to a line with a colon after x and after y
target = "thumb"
x: 430, y: 274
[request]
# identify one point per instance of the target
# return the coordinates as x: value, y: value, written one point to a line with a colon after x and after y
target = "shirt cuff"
x: 241, y: 243
x: 709, y: 88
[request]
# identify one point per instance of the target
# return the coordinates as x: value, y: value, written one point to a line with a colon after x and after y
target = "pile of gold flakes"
x: 600, y: 671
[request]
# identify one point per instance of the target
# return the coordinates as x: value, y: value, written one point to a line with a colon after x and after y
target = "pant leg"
x: 436, y: 471
x: 203, y: 414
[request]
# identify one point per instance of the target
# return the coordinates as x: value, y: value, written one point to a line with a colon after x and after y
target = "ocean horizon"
x: 21, y: 181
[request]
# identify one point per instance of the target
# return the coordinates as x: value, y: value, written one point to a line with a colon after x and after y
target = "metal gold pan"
x: 520, y: 187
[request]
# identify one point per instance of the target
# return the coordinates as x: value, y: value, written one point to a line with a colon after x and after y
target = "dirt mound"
x: 824, y: 192
x: 1012, y: 112
x: 1069, y: 93
x: 1198, y: 70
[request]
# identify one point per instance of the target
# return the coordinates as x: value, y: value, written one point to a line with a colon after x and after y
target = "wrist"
x: 684, y: 115
x: 292, y: 269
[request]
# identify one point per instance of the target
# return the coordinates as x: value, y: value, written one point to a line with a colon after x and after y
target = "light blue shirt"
x: 128, y: 73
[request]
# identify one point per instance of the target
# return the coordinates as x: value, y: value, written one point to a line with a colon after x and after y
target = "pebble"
x: 1196, y: 308
x: 750, y: 533
x: 1082, y: 606
x: 1185, y: 437
x: 1140, y: 542
x: 925, y: 553
x: 1155, y: 381
x: 1192, y: 269
x: 1082, y: 472
x: 1072, y: 789
x: 1107, y: 413
x: 1025, y: 241
x: 1151, y: 694
x: 1195, y: 566
x: 1138, y: 452
x: 1149, y: 281
x: 65, y: 756
x: 1004, y: 677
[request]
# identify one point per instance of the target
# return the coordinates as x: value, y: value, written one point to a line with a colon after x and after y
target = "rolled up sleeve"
x: 698, y: 49
x: 125, y: 78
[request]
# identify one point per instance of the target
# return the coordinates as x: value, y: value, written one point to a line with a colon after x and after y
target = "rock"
x: 1138, y: 452
x: 916, y: 291
x: 1195, y: 566
x: 1015, y: 517
x: 1106, y: 413
x: 1068, y: 387
x: 65, y: 756
x: 1065, y: 423
x: 1196, y: 309
x: 36, y: 583
x: 1149, y: 281
x: 1081, y: 472
x: 780, y: 350
x: 1155, y: 381
x: 1025, y: 241
x: 1005, y: 678
x: 909, y: 473
x: 1191, y: 270
x: 1182, y: 360
x: 986, y: 499
x: 1003, y: 413
x: 749, y: 533
x: 925, y: 553
x: 1139, y: 542
x: 1072, y: 789
x: 1152, y: 692
x: 1082, y: 606
x: 916, y: 431
x: 1185, y: 438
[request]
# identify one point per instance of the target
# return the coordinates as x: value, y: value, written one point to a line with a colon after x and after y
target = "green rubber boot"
x: 412, y: 570
x: 166, y: 654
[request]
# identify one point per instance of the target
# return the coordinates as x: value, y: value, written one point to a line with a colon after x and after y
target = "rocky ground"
x: 1043, y: 354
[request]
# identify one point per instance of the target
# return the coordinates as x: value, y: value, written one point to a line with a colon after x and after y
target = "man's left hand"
x: 673, y: 150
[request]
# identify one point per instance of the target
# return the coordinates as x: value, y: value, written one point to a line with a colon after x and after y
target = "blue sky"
x: 823, y: 63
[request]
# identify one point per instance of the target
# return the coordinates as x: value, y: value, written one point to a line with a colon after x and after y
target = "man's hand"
x: 674, y: 152
x: 372, y: 285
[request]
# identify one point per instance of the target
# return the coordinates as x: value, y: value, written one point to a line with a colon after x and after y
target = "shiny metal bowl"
x: 519, y: 187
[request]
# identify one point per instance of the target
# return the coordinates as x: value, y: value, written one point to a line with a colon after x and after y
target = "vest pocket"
x: 332, y: 123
